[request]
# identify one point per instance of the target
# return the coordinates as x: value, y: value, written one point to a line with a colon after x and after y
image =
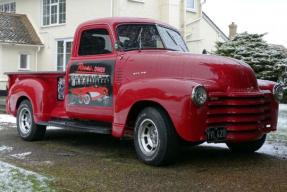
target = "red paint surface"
x: 237, y: 100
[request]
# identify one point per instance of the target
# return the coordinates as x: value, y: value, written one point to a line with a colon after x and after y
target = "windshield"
x: 146, y: 36
x: 172, y: 39
x: 134, y: 36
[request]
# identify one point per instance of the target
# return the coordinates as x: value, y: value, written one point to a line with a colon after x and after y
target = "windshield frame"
x: 174, y: 30
x: 159, y: 33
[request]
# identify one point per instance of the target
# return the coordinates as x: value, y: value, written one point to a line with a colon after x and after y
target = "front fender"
x: 34, y: 90
x: 174, y: 95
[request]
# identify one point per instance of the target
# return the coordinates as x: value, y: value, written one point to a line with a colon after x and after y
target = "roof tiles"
x: 17, y: 29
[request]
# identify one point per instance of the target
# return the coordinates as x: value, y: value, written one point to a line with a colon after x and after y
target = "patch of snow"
x: 5, y: 148
x: 283, y: 107
x: 54, y: 128
x: 21, y: 155
x: 17, y: 179
x: 274, y: 149
x: 270, y: 148
x: 7, y: 118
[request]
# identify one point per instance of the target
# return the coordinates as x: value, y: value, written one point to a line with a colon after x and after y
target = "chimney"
x: 232, y: 30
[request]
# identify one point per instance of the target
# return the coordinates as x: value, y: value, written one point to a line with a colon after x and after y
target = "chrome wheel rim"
x: 148, y: 137
x: 25, y: 121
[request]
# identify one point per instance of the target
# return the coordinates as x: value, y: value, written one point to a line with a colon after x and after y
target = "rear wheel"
x: 247, y: 147
x: 155, y: 138
x: 27, y: 128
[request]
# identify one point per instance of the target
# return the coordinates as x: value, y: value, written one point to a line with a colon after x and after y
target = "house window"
x: 64, y: 51
x: 24, y: 62
x: 190, y: 5
x: 8, y: 7
x: 54, y: 12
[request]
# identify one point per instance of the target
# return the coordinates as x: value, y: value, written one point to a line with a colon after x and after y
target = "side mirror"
x: 118, y: 46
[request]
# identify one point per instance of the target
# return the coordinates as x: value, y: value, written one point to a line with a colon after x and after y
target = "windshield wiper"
x: 139, y: 40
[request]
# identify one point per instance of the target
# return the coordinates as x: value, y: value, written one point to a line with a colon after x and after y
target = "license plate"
x: 216, y: 134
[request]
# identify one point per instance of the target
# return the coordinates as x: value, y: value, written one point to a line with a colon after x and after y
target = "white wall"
x: 170, y: 11
x: 2, y: 78
x: 203, y: 36
x: 77, y: 12
x: 10, y: 60
x: 12, y: 53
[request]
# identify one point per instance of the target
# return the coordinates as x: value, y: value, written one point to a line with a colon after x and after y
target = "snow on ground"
x: 7, y: 118
x: 17, y: 179
x: 21, y: 155
x: 4, y: 148
x: 10, y: 119
x: 283, y: 107
x: 278, y: 150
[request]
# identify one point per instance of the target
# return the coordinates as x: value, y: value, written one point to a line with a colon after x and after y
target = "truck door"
x: 90, y: 75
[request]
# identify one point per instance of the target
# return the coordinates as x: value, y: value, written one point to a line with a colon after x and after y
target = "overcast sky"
x: 253, y: 16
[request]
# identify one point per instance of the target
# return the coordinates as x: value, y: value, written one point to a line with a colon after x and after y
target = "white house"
x: 54, y: 23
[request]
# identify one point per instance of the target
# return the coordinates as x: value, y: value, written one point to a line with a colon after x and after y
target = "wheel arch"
x: 138, y: 107
x: 20, y: 100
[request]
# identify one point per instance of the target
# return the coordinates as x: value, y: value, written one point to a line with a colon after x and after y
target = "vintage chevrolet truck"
x: 135, y: 76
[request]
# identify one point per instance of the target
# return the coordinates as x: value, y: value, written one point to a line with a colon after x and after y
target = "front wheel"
x: 27, y: 128
x: 155, y: 138
x: 247, y: 147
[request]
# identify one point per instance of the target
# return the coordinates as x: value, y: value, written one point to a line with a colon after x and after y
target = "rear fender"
x: 34, y: 90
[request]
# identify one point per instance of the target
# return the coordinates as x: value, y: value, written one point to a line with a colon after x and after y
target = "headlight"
x: 199, y: 95
x: 278, y: 92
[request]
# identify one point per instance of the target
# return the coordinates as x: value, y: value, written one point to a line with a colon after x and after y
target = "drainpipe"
x: 36, y: 57
x: 112, y: 8
x: 202, y: 2
x: 183, y: 27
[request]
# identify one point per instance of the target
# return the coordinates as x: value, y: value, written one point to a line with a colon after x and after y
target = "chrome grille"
x: 239, y: 113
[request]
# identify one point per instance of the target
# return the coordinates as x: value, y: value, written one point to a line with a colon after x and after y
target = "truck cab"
x: 136, y: 76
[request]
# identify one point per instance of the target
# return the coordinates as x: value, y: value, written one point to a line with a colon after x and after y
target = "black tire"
x: 247, y: 147
x: 166, y: 142
x: 28, y: 129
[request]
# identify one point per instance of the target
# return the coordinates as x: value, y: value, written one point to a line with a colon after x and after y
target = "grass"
x: 18, y: 179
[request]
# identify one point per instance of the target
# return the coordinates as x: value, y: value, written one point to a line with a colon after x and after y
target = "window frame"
x: 189, y: 8
x: 65, y: 62
x: 28, y: 62
x: 157, y: 27
x: 91, y: 27
x: 50, y: 14
x: 9, y: 3
x: 137, y: 1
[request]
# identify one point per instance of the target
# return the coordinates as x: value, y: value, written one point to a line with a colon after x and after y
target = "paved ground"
x: 78, y: 161
x: 88, y: 162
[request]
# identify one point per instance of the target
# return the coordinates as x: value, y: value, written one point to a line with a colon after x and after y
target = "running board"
x: 90, y: 126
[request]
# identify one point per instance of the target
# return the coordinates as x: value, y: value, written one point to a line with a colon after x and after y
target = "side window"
x: 95, y: 42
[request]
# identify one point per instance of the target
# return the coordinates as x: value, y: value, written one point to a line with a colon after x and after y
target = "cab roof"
x: 113, y: 21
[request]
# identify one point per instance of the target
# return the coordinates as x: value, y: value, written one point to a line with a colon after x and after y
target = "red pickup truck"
x: 132, y: 75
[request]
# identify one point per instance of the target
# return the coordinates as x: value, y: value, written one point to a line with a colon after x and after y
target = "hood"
x: 214, y: 72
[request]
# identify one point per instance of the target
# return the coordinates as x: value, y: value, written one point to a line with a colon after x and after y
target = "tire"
x: 155, y: 138
x: 26, y: 126
x: 87, y: 99
x: 247, y: 147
